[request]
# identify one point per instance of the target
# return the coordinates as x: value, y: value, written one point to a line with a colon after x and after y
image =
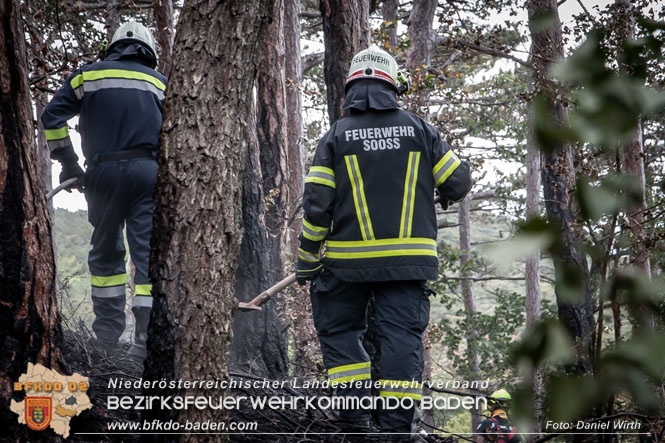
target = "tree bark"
x: 163, y: 10
x: 29, y: 318
x: 466, y: 287
x: 345, y: 32
x: 558, y: 176
x: 533, y: 299
x: 298, y: 303
x: 112, y: 18
x: 198, y: 217
x: 259, y: 345
x: 632, y: 156
x: 389, y: 11
x: 421, y: 34
x: 295, y: 154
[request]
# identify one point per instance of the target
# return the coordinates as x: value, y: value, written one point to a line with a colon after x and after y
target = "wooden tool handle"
x: 263, y: 297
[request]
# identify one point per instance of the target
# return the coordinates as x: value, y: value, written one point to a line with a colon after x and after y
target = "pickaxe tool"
x: 262, y: 298
x: 63, y: 185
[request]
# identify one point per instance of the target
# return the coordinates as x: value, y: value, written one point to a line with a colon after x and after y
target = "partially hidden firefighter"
x: 370, y: 196
x: 497, y: 427
x: 119, y: 104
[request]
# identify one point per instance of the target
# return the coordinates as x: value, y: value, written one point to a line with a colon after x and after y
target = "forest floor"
x: 278, y: 426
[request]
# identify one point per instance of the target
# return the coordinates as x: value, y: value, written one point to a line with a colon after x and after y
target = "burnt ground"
x: 280, y: 426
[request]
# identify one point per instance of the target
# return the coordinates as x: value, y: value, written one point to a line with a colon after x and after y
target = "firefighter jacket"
x: 119, y: 101
x: 370, y: 191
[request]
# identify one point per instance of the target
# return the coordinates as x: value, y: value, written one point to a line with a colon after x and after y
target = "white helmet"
x: 133, y: 31
x: 375, y: 63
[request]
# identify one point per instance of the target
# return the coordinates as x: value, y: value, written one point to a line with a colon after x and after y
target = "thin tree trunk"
x: 468, y: 296
x: 345, y: 32
x: 558, y: 176
x: 112, y: 18
x: 29, y: 318
x: 298, y: 303
x: 389, y: 11
x: 532, y: 272
x: 295, y: 154
x: 632, y: 157
x: 198, y: 217
x: 164, y: 17
x: 259, y: 345
x: 419, y: 55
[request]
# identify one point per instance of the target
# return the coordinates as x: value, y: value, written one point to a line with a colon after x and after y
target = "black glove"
x: 71, y: 169
x: 307, y: 270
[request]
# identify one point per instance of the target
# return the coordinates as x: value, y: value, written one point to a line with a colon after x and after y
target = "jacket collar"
x: 367, y: 94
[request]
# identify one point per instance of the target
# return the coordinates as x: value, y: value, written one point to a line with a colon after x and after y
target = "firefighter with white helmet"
x: 370, y: 195
x: 119, y: 104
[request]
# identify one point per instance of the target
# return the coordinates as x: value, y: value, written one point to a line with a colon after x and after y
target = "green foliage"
x: 606, y: 107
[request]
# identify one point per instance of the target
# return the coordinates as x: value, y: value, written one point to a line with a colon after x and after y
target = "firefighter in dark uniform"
x: 119, y: 103
x: 370, y: 195
x: 497, y: 428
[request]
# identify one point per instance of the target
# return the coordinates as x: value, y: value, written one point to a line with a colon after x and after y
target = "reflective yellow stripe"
x: 56, y: 134
x: 350, y: 367
x: 110, y: 280
x: 313, y: 232
x: 364, y: 376
x: 359, y: 197
x: 116, y: 73
x: 323, y: 170
x: 307, y: 256
x: 444, y: 167
x: 76, y: 81
x: 387, y: 247
x: 400, y: 384
x: 320, y: 181
x: 401, y: 388
x: 409, y: 195
x: 321, y: 175
x: 142, y: 290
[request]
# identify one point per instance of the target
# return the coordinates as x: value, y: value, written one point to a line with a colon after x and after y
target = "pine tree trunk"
x: 632, y: 156
x: 259, y: 345
x: 558, y: 176
x: 295, y: 154
x: 164, y: 17
x: 298, y: 303
x: 197, y: 232
x: 532, y: 274
x: 345, y: 32
x: 389, y: 11
x: 29, y: 318
x: 112, y: 18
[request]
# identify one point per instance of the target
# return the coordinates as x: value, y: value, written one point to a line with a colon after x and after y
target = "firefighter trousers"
x: 402, y: 313
x: 119, y: 193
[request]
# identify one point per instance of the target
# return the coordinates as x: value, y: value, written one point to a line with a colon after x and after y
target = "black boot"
x: 138, y: 349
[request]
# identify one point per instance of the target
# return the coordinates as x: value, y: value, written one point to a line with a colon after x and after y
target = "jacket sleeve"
x: 318, y: 199
x: 452, y: 176
x: 63, y: 106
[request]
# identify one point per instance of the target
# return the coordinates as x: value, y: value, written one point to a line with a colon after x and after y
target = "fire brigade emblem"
x: 38, y: 412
